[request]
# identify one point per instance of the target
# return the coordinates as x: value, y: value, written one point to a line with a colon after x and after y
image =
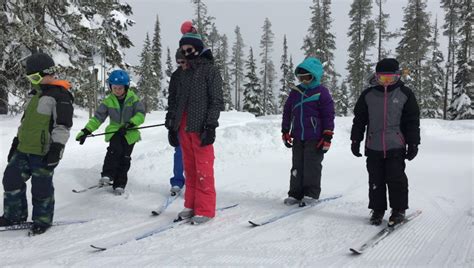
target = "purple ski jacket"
x: 310, y: 110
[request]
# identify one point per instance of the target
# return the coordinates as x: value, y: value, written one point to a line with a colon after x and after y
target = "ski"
x: 383, y: 234
x: 166, y: 204
x: 160, y: 229
x: 97, y: 186
x: 290, y: 212
x: 29, y: 224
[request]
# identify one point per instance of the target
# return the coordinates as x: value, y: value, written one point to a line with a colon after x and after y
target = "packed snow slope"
x: 252, y: 169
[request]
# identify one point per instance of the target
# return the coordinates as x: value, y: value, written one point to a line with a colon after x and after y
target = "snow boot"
x: 308, y: 201
x: 200, y: 219
x: 119, y: 191
x: 290, y: 200
x: 175, y: 190
x: 38, y: 229
x: 105, y: 180
x: 377, y: 217
x: 186, y: 213
x: 397, y: 217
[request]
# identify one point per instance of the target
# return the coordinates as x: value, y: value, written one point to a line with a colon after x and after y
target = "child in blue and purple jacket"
x: 307, y: 128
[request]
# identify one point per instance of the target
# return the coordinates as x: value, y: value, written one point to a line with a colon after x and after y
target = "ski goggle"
x: 35, y: 78
x: 386, y: 79
x: 306, y: 77
x: 188, y: 51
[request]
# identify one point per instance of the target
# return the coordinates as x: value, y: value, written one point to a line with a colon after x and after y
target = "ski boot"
x: 119, y: 191
x: 186, y: 213
x: 200, y: 219
x: 377, y: 217
x: 308, y: 201
x: 105, y: 180
x: 175, y: 190
x: 38, y: 229
x: 397, y: 217
x: 290, y: 200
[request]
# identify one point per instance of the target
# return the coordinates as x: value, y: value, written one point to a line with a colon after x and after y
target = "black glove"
x: 15, y: 143
x: 325, y: 142
x: 81, y: 137
x: 412, y: 151
x: 169, y: 122
x: 173, y: 138
x: 54, y: 154
x: 355, y: 148
x: 123, y: 130
x: 208, y: 136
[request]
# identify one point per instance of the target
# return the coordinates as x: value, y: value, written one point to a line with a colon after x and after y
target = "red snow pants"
x: 200, y: 193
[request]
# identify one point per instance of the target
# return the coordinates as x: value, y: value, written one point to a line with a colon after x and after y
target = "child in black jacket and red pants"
x: 392, y: 116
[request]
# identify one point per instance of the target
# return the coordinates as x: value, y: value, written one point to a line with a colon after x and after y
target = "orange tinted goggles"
x: 387, y: 79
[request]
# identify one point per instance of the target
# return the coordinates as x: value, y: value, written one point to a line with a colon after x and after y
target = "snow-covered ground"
x: 252, y: 169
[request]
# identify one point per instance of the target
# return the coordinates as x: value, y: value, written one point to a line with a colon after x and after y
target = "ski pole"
x: 111, y: 132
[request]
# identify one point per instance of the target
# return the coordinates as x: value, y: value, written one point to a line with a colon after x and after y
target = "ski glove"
x: 325, y: 143
x: 173, y: 138
x: 412, y: 151
x: 355, y: 148
x: 13, y: 148
x: 123, y: 130
x: 81, y: 136
x: 54, y: 154
x: 287, y: 140
x: 169, y: 122
x: 208, y: 136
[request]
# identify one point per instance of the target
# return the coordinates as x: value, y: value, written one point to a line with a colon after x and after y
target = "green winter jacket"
x: 47, y: 118
x: 132, y: 111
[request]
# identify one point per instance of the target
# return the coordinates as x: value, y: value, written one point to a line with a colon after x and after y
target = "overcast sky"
x: 290, y: 17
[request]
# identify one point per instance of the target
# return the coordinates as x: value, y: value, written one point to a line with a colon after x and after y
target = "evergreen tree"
x: 382, y: 32
x: 156, y: 65
x: 414, y: 45
x: 168, y: 72
x: 430, y: 98
x: 237, y: 65
x: 203, y: 22
x: 362, y: 39
x: 146, y: 87
x: 222, y: 63
x: 253, y: 102
x: 320, y: 42
x: 341, y: 99
x: 461, y: 106
x: 76, y: 33
x: 290, y: 79
x: 284, y: 89
x: 268, y: 70
x: 450, y: 27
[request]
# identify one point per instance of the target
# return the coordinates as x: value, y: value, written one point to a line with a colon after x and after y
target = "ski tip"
x: 355, y: 251
x: 98, y: 248
x: 155, y: 213
x: 254, y: 224
x: 75, y: 191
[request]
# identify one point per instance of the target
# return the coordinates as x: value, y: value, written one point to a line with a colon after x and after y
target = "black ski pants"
x: 117, y: 160
x: 305, y: 178
x: 387, y: 173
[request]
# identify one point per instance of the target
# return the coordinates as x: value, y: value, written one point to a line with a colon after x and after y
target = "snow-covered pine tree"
x: 156, y: 66
x: 290, y: 79
x: 284, y: 89
x: 430, y: 99
x: 382, y: 33
x: 253, y: 101
x: 267, y: 71
x: 450, y: 26
x: 168, y: 72
x: 76, y: 33
x: 237, y: 67
x: 362, y: 39
x: 461, y: 106
x: 341, y: 99
x: 146, y: 87
x: 223, y: 55
x: 320, y: 41
x: 413, y: 47
x: 203, y: 21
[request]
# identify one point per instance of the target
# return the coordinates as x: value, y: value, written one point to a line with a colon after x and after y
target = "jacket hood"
x: 315, y: 67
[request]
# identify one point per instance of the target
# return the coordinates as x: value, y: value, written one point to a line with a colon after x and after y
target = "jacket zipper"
x: 43, y: 140
x: 384, y: 123
x: 301, y: 118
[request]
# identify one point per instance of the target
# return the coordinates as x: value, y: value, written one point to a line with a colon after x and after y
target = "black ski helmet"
x: 38, y: 62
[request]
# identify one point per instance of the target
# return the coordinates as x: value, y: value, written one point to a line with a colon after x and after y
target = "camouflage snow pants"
x: 19, y: 170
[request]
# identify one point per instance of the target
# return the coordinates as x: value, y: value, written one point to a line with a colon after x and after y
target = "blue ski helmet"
x: 119, y: 77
